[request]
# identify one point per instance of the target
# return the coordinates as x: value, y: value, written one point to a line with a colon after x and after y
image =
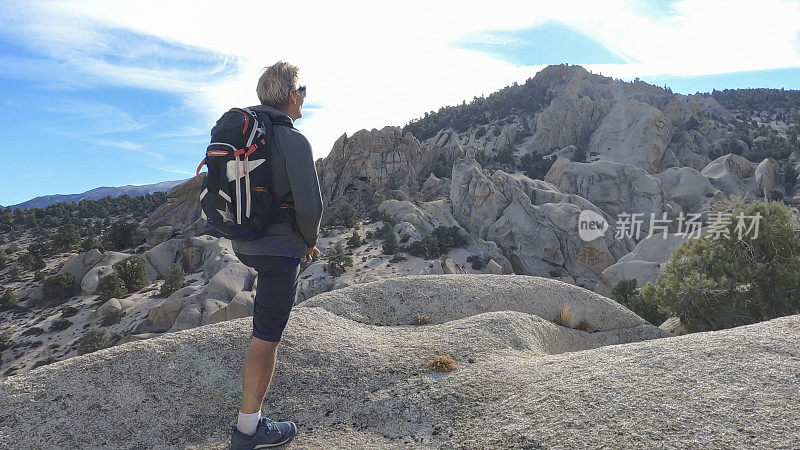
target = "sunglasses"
x: 302, y: 90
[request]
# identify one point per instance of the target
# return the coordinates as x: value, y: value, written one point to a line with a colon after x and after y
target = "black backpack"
x: 236, y: 197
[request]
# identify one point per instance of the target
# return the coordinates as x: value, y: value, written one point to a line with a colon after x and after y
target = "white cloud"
x: 368, y: 64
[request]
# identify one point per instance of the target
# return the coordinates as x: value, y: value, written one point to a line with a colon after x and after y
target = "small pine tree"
x: 133, y: 273
x: 8, y: 300
x: 344, y: 216
x: 67, y: 237
x: 338, y: 260
x: 59, y: 287
x: 390, y: 245
x: 111, y: 286
x: 15, y: 273
x: 173, y: 281
x: 92, y: 341
x: 580, y: 155
x: 355, y: 240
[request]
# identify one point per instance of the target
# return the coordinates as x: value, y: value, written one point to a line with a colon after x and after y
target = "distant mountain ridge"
x: 97, y: 193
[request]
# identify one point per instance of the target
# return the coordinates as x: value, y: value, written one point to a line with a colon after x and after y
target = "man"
x: 276, y: 257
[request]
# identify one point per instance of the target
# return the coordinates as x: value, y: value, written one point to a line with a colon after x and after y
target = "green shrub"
x: 3, y: 260
x: 66, y: 237
x: 132, y: 271
x: 60, y: 324
x: 437, y: 243
x: 14, y: 273
x: 173, y: 281
x: 344, y: 216
x: 535, y: 165
x: 355, y: 240
x: 449, y: 237
x: 59, y: 287
x: 32, y: 261
x: 38, y: 276
x: 338, y: 260
x: 113, y: 316
x: 427, y: 248
x: 390, y: 245
x: 789, y: 176
x: 92, y: 341
x: 626, y: 294
x: 90, y: 243
x: 119, y: 235
x: 8, y: 300
x: 579, y: 156
x: 111, y: 286
x: 714, y: 283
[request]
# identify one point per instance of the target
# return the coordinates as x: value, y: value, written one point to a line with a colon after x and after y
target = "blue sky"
x: 106, y: 93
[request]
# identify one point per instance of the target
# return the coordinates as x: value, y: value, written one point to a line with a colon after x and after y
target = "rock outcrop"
x: 510, y: 370
x: 645, y: 263
x: 614, y: 187
x: 633, y: 133
x: 533, y: 222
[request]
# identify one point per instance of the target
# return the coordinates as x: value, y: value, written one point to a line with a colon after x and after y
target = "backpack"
x: 236, y: 197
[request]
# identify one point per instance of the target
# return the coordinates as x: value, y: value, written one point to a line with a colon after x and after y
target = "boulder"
x: 209, y: 307
x: 493, y: 268
x: 568, y: 121
x: 190, y: 316
x: 674, y: 326
x: 159, y: 235
x: 229, y: 281
x: 240, y: 306
x: 78, y: 265
x: 314, y: 280
x: 434, y: 188
x: 632, y: 133
x: 689, y: 188
x: 112, y: 306
x: 767, y: 174
x: 163, y: 315
x: 733, y: 175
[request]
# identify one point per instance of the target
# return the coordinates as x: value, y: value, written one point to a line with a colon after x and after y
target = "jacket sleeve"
x: 303, y: 180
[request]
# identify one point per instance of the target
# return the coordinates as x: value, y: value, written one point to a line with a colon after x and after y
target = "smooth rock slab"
x: 352, y: 385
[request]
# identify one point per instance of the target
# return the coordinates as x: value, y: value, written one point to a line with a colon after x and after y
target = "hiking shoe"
x: 268, y: 434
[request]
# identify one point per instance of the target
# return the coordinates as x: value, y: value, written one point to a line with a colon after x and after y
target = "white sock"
x: 248, y: 423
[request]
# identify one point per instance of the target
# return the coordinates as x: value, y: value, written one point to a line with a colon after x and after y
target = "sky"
x: 108, y: 93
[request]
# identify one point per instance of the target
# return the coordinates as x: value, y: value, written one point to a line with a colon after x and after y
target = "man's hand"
x: 311, y: 250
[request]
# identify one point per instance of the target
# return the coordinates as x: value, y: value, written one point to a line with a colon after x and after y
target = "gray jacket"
x: 293, y: 170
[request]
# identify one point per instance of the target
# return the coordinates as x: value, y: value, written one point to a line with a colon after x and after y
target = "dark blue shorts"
x: 277, y: 285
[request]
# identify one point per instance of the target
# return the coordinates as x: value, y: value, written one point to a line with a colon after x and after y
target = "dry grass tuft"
x: 585, y: 326
x: 442, y: 363
x: 419, y: 319
x: 566, y: 318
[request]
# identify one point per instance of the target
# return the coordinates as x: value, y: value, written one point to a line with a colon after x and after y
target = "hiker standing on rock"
x: 276, y: 256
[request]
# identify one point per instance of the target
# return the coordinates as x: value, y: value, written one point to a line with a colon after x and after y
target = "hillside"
x: 516, y: 168
x: 96, y: 194
x: 521, y: 381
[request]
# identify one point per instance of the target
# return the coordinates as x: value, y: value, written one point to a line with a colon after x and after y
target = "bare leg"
x: 257, y: 373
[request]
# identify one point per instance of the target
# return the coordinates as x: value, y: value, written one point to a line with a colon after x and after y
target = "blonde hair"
x: 275, y: 83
